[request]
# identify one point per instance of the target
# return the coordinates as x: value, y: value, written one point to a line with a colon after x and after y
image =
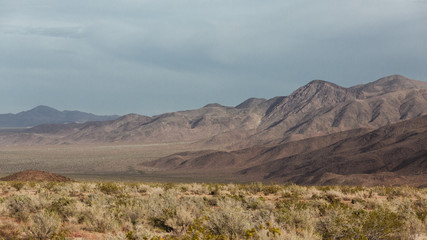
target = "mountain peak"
x: 322, y: 83
x: 43, y: 108
x: 213, y: 105
x: 390, y: 84
x: 251, y: 102
x: 393, y: 80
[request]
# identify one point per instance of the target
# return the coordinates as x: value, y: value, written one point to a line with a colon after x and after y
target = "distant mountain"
x: 316, y: 109
x: 47, y: 115
x: 394, y: 154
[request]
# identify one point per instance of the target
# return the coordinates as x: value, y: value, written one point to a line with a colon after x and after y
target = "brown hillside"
x: 35, y: 176
x: 395, y: 154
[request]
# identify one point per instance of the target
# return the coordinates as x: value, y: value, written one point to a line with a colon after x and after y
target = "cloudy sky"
x: 156, y: 56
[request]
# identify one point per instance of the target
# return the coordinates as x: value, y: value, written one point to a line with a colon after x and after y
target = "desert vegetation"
x: 118, y: 210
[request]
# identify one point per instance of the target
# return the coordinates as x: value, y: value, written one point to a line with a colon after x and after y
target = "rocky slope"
x: 394, y: 154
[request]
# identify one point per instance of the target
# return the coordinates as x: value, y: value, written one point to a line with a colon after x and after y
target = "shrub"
x: 99, y: 219
x: 109, y: 188
x: 18, y: 185
x: 382, y: 224
x: 377, y: 224
x: 9, y: 230
x: 43, y: 225
x: 229, y: 220
x: 133, y: 212
x: 271, y: 189
x: 20, y: 207
x: 62, y: 206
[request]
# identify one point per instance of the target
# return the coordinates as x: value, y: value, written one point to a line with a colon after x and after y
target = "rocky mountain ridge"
x: 316, y: 109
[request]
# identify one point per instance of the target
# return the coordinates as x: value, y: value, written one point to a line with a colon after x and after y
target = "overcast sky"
x: 156, y: 56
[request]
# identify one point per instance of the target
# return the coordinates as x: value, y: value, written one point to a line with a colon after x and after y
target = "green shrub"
x: 109, y: 188
x: 271, y: 189
x: 382, y: 224
x: 377, y: 224
x: 63, y: 206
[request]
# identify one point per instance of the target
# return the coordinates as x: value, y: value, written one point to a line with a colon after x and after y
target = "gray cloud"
x: 156, y: 56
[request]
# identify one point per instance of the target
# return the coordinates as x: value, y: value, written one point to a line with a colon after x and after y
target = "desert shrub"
x: 230, y: 220
x: 53, y: 186
x: 63, y: 206
x: 215, y: 189
x: 162, y: 207
x: 96, y: 212
x: 3, y: 207
x: 86, y: 187
x: 253, y: 203
x: 350, y: 189
x: 43, y: 225
x: 182, y: 219
x: 9, y: 230
x: 382, y: 224
x: 296, y: 214
x: 420, y: 209
x: 133, y: 212
x: 109, y: 188
x: 291, y: 192
x: 200, y: 189
x: 252, y: 188
x: 144, y: 232
x: 340, y: 224
x: 18, y: 185
x: 99, y: 219
x: 346, y: 224
x: 169, y: 185
x: 271, y: 189
x: 21, y: 207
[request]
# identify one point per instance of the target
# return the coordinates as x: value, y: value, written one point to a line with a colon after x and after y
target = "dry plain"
x: 96, y: 161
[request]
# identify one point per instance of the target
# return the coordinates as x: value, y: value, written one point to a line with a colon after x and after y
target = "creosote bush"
x: 114, y: 210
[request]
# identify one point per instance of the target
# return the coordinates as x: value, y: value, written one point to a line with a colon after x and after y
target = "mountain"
x: 394, y: 154
x: 316, y: 109
x: 47, y: 115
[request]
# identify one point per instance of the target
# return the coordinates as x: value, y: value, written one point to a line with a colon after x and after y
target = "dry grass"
x: 117, y: 210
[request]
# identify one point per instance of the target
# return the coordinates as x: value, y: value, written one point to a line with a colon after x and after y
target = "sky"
x: 155, y: 56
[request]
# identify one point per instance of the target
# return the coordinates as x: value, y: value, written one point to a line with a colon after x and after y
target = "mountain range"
x: 47, y: 115
x: 316, y: 109
x: 321, y: 133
